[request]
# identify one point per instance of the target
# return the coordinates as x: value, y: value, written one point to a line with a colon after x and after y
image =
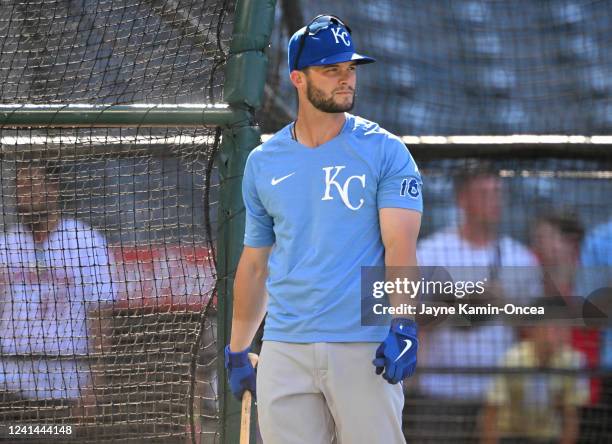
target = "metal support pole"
x: 112, y: 116
x: 245, y: 77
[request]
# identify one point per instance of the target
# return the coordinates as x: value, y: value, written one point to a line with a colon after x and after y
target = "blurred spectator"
x: 536, y: 407
x: 556, y: 238
x: 54, y: 269
x: 509, y: 268
x: 596, y: 274
x: 473, y: 251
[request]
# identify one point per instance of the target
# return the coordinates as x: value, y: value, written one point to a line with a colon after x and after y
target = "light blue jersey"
x: 319, y: 208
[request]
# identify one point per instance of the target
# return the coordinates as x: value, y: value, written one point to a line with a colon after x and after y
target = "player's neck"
x: 313, y: 128
x: 479, y: 235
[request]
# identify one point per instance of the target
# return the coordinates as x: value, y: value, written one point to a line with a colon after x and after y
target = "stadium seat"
x: 578, y: 48
x: 496, y: 80
x: 472, y: 11
x: 567, y: 14
x: 510, y: 117
x: 484, y: 45
x: 595, y: 81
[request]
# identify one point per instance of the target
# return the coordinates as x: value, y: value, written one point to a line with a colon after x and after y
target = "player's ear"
x: 298, y: 78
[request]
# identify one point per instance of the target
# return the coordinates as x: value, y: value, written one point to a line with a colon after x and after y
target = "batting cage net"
x: 108, y: 51
x: 466, y: 66
x: 107, y: 247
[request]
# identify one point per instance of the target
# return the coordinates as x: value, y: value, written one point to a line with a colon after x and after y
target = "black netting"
x: 534, y: 228
x: 108, y: 51
x: 467, y: 66
x: 107, y: 282
x: 107, y: 260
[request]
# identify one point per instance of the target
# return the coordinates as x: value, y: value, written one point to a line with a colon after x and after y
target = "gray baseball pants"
x: 326, y: 392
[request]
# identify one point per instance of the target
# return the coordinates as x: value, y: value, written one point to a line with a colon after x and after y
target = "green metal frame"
x: 149, y: 115
x: 245, y: 77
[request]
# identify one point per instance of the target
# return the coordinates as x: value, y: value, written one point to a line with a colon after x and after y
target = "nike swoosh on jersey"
x: 276, y: 181
x: 408, y: 346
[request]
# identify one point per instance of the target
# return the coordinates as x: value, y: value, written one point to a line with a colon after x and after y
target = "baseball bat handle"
x: 245, y: 418
x: 245, y: 413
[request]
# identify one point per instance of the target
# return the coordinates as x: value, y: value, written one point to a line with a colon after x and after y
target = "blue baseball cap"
x: 324, y: 41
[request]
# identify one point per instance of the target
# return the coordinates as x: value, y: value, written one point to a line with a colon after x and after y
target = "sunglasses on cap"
x: 319, y: 23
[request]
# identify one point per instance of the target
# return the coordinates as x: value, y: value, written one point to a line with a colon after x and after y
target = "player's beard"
x: 326, y: 104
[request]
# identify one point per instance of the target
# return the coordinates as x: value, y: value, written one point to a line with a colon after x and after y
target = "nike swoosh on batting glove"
x: 396, y: 356
x: 240, y: 372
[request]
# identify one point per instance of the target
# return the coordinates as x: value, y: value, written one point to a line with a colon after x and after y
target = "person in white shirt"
x: 53, y: 272
x: 480, y: 252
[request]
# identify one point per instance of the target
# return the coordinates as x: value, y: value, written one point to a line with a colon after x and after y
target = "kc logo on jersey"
x: 331, y: 173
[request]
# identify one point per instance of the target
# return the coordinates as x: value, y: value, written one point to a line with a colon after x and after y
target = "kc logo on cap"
x: 341, y: 34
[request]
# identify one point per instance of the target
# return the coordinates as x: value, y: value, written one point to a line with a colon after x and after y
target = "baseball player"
x: 326, y: 195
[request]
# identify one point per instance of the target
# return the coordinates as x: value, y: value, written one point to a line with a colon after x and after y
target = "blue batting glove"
x: 397, y: 354
x: 240, y: 371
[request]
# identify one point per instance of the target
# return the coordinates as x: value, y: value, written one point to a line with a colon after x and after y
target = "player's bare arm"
x: 249, y: 296
x: 399, y: 230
